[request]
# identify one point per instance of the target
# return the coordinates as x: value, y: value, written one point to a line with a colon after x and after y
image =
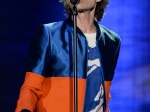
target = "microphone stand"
x: 74, y: 13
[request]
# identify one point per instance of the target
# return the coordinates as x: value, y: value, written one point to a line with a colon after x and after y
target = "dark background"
x: 130, y: 90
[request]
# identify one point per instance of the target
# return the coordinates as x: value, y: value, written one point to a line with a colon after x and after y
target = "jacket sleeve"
x: 108, y: 80
x: 111, y: 61
x: 116, y: 56
x: 31, y: 91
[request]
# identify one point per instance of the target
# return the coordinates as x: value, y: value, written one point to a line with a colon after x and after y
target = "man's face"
x: 84, y: 5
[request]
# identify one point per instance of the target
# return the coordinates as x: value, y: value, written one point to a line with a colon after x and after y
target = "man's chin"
x: 81, y: 10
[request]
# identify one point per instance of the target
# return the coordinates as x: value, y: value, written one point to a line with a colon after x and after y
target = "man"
x: 48, y: 85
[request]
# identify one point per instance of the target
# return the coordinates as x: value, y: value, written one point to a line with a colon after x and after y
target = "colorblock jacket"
x: 48, y: 85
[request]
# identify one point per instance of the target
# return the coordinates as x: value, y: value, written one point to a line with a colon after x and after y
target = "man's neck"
x: 85, y: 21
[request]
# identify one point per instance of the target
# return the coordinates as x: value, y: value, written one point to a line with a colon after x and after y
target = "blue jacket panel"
x: 51, y: 50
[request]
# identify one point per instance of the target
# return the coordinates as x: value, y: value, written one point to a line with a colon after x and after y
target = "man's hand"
x: 107, y: 90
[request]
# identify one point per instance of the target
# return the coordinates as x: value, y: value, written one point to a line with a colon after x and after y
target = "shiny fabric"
x: 51, y: 50
x: 51, y: 57
x: 51, y: 94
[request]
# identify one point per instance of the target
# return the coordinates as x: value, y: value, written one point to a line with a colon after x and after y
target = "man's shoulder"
x: 49, y: 29
x: 54, y: 26
x: 107, y: 33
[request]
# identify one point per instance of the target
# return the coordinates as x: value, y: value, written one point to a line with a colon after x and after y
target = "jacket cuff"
x: 25, y: 105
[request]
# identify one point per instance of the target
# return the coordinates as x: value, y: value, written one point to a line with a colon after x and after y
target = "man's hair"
x: 99, y: 11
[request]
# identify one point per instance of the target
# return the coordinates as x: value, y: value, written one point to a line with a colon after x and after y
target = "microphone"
x: 74, y: 1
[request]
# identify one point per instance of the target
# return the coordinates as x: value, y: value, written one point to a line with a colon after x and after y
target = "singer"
x: 48, y: 84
